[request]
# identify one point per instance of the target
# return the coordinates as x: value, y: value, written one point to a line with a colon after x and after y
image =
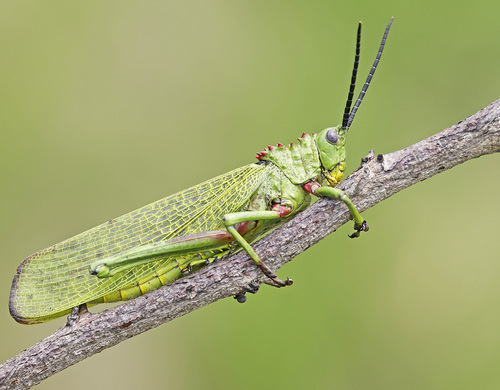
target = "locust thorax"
x: 332, y: 153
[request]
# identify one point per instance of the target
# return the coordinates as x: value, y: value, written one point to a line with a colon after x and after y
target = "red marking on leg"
x: 282, y: 210
x: 244, y: 227
x: 311, y: 187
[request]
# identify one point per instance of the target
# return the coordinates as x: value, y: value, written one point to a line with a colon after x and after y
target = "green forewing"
x: 50, y: 282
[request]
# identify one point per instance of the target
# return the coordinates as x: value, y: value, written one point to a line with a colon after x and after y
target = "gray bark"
x: 376, y: 179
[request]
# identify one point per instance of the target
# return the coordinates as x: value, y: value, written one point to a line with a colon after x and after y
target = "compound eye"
x: 332, y: 136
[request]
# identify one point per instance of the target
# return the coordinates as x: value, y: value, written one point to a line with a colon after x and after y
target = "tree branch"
x: 377, y: 179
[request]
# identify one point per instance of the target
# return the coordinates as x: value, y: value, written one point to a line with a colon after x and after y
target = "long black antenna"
x: 347, y: 110
x: 347, y: 123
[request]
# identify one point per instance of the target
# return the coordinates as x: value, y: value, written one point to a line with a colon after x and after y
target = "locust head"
x: 332, y: 153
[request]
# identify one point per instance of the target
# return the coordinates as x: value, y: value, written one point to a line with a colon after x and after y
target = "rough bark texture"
x: 377, y: 179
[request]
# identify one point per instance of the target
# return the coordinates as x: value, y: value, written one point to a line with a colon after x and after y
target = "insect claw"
x: 278, y: 282
x: 363, y: 227
x: 253, y: 287
x: 77, y: 313
x: 275, y: 281
x: 73, y: 317
x: 240, y: 297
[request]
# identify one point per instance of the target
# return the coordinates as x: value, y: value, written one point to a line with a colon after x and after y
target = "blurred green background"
x: 107, y: 106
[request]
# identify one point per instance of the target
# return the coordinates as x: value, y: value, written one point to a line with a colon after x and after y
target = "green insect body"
x: 161, y: 242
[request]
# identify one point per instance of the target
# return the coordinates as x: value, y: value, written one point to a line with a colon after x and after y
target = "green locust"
x: 161, y: 242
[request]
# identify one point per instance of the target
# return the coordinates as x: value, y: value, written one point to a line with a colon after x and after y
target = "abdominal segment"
x: 175, y: 269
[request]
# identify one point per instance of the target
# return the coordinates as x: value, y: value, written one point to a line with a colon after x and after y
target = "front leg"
x: 360, y: 224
